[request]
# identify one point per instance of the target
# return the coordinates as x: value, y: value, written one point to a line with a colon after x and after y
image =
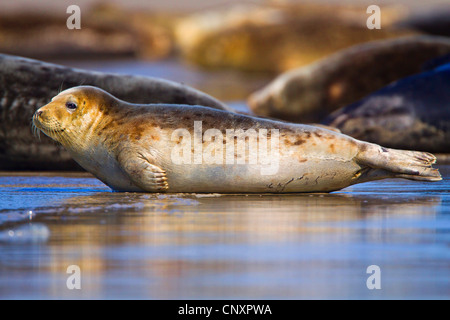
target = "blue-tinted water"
x: 227, y: 247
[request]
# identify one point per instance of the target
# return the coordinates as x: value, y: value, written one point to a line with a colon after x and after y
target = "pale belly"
x: 311, y: 176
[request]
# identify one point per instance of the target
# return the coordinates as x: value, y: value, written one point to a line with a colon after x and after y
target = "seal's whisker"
x: 36, y: 131
x: 60, y: 87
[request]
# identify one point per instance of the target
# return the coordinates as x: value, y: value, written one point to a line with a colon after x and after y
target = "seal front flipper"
x: 141, y: 172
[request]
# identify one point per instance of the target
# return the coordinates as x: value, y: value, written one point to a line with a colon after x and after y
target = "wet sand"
x: 149, y: 246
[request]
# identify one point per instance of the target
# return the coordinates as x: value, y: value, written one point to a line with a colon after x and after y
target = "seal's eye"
x: 71, y: 106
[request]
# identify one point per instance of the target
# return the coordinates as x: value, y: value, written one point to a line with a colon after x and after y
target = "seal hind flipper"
x: 392, y: 163
x: 141, y: 172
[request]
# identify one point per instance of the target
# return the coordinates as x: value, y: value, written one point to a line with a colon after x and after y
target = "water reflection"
x: 231, y: 246
x: 185, y: 219
x: 174, y: 218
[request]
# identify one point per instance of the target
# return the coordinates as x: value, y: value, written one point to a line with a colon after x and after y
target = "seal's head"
x: 71, y: 115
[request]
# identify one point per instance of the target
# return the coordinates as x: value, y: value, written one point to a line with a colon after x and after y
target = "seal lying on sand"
x: 311, y: 93
x: 411, y: 113
x: 149, y: 148
x: 28, y: 84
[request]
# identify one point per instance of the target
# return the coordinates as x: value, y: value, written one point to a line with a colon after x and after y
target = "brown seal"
x: 413, y: 112
x: 176, y: 148
x: 311, y: 93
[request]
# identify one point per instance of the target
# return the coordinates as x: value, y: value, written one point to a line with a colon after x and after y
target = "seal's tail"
x: 391, y: 163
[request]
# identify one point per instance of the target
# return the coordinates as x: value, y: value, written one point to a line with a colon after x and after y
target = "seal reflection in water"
x: 130, y: 147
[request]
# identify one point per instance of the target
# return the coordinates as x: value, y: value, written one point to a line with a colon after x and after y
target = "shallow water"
x: 222, y: 246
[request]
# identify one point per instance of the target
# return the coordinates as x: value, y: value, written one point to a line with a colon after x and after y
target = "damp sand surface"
x: 211, y: 246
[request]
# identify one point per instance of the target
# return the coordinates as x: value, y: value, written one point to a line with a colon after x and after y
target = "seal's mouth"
x: 52, y: 129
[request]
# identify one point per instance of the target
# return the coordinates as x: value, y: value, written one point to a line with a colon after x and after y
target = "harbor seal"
x: 274, y: 37
x: 433, y: 21
x: 413, y: 112
x: 311, y: 93
x: 27, y: 84
x: 148, y: 148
